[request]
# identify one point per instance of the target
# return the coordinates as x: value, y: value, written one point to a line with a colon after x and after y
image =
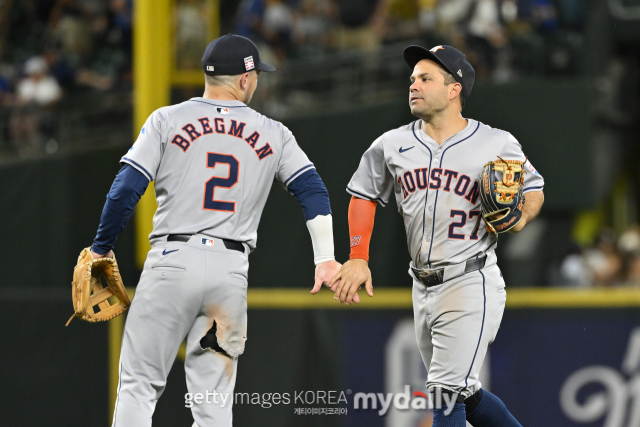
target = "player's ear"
x: 455, y: 90
x: 244, y: 81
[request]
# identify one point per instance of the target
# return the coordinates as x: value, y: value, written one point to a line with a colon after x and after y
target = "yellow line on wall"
x: 399, y: 298
x: 572, y: 298
x: 297, y: 299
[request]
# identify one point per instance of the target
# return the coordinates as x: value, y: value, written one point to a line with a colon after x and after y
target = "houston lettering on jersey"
x: 204, y: 127
x: 445, y: 179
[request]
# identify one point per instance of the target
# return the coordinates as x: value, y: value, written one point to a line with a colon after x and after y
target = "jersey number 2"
x: 210, y: 203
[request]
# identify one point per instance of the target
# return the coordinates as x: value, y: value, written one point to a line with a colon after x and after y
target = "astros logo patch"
x: 207, y: 242
x: 433, y: 49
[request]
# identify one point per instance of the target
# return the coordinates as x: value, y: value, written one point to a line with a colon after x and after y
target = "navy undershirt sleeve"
x: 311, y: 193
x: 126, y: 190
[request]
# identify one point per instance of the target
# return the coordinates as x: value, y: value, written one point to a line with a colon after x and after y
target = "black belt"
x: 229, y: 244
x: 436, y: 277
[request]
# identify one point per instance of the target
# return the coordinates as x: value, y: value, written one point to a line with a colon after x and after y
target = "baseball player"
x: 213, y: 160
x: 432, y: 166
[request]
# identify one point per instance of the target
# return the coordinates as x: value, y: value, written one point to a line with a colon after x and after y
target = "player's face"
x: 428, y: 95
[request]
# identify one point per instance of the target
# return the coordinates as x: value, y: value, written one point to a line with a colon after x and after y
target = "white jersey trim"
x: 298, y: 173
x: 137, y: 166
x: 221, y: 103
x: 364, y: 196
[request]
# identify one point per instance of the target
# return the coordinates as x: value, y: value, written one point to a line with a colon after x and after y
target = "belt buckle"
x: 430, y: 277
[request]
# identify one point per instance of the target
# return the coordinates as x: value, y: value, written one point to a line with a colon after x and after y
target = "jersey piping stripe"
x: 532, y: 188
x: 435, y: 204
x: 216, y: 105
x: 484, y: 311
x: 296, y: 173
x: 364, y: 196
x: 139, y: 167
x: 426, y: 196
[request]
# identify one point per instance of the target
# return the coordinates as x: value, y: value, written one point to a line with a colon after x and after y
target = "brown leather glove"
x: 87, y: 290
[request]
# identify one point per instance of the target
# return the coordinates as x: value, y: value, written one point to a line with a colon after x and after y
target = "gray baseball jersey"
x: 436, y: 187
x: 213, y: 163
x: 437, y: 193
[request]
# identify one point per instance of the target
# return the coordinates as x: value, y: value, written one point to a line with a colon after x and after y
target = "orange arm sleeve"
x: 361, y: 215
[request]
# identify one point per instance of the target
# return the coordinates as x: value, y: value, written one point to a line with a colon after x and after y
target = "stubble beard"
x: 426, y: 113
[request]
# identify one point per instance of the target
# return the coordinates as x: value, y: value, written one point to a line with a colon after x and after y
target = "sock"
x: 455, y: 419
x: 491, y: 412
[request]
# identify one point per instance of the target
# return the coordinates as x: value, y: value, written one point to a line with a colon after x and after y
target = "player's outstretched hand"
x: 324, y: 273
x: 351, y: 276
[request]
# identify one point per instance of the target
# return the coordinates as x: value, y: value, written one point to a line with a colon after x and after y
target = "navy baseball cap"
x: 232, y: 54
x: 451, y: 60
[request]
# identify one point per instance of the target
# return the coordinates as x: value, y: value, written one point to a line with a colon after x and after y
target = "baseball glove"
x: 87, y: 290
x: 501, y: 198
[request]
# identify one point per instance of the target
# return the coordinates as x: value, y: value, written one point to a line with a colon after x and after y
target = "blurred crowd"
x: 502, y: 38
x: 611, y: 261
x: 49, y: 49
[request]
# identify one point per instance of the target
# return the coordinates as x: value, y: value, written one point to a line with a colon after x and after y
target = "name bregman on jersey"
x: 420, y: 179
x: 219, y: 126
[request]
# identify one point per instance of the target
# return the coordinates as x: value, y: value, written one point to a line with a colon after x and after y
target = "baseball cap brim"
x: 414, y: 54
x: 267, y: 68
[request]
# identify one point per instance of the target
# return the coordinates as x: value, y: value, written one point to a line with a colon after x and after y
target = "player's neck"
x: 442, y: 127
x: 222, y: 93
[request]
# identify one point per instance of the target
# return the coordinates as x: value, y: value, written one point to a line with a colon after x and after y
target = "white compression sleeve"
x: 321, y: 230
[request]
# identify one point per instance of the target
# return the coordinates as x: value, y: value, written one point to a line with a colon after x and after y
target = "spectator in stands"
x: 629, y: 245
x: 399, y: 19
x: 250, y: 14
x: 485, y: 35
x: 313, y: 24
x: 69, y: 76
x: 32, y: 122
x: 361, y: 22
x: 191, y: 33
x: 69, y: 24
x: 604, y: 261
x: 573, y: 270
x: 122, y: 16
x: 601, y: 265
x: 7, y: 73
x: 277, y: 27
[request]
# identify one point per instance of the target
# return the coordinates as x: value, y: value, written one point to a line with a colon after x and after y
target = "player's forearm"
x: 125, y: 193
x: 530, y: 210
x: 361, y: 217
x: 321, y: 231
x: 313, y: 197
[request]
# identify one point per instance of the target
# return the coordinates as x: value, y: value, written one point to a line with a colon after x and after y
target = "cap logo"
x: 460, y: 73
x: 210, y: 68
x: 248, y: 63
x: 433, y: 49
